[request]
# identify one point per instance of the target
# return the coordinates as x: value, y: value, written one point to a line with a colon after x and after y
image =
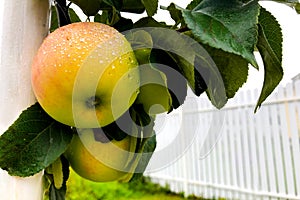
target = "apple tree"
x: 208, y: 48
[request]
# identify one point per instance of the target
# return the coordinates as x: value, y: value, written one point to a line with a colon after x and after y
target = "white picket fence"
x: 232, y: 153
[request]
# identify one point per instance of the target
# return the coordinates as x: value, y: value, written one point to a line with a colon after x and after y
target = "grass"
x: 79, y: 188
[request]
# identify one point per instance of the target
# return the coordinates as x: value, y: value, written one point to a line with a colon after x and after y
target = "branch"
x: 62, y: 12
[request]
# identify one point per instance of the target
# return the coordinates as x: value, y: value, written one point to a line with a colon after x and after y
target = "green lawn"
x: 81, y: 189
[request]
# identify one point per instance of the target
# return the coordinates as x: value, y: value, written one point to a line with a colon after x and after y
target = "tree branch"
x: 62, y: 12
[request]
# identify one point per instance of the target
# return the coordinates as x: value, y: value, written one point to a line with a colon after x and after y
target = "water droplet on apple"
x: 120, y: 60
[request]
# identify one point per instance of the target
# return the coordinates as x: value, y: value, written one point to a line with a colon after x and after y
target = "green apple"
x: 154, y: 94
x: 101, y: 161
x: 85, y: 75
x: 143, y: 55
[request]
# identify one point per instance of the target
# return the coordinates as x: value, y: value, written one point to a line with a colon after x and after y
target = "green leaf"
x: 109, y: 17
x: 139, y: 116
x: 73, y: 16
x: 101, y: 18
x: 57, y: 170
x: 228, y: 25
x: 143, y: 134
x: 141, y: 43
x: 193, y: 4
x: 167, y: 44
x: 54, y: 19
x: 147, y: 150
x: 110, y: 12
x: 171, y: 52
x: 297, y: 8
x: 89, y: 7
x: 151, y: 6
x: 32, y: 142
x: 123, y: 24
x: 287, y: 2
x: 113, y: 3
x: 133, y: 6
x: 55, y: 193
x: 175, y: 13
x: 149, y: 22
x: 233, y: 69
x: 186, y: 56
x: 177, y: 84
x: 198, y: 68
x: 114, y: 131
x: 270, y: 47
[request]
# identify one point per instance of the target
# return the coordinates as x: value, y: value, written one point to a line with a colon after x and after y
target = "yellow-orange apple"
x: 101, y: 161
x: 85, y: 75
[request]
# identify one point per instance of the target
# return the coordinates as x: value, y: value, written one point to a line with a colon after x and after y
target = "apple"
x: 101, y: 161
x: 85, y: 75
x: 154, y: 94
x: 143, y: 55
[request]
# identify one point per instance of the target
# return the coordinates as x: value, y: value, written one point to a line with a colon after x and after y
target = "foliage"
x: 224, y: 36
x: 270, y: 48
x: 32, y: 143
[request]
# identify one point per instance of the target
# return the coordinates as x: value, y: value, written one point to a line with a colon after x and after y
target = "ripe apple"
x: 85, y: 75
x: 101, y: 161
x: 154, y: 94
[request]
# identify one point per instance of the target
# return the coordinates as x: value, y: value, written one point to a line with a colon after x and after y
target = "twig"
x: 62, y: 12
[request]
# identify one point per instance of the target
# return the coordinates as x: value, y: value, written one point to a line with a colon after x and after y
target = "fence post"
x: 23, y: 25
